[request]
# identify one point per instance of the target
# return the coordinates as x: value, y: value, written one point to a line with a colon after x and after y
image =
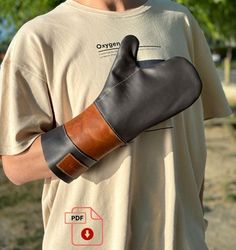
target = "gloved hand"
x: 132, y: 100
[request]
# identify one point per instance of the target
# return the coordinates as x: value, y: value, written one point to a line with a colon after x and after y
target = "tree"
x: 14, y: 13
x: 217, y: 18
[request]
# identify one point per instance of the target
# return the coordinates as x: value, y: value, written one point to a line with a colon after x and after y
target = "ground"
x: 220, y: 187
x: 20, y: 210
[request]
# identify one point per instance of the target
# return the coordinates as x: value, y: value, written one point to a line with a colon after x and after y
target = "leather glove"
x: 133, y: 99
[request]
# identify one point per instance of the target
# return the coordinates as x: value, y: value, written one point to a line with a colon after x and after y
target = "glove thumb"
x: 125, y: 62
x: 127, y: 54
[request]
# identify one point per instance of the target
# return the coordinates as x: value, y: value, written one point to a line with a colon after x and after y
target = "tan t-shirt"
x: 144, y: 196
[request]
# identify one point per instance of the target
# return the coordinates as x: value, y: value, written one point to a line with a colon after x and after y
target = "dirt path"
x: 220, y: 188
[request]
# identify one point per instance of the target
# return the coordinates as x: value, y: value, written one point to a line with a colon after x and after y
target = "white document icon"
x: 86, y: 226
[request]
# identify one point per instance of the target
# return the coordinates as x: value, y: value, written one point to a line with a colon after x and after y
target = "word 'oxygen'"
x: 108, y: 45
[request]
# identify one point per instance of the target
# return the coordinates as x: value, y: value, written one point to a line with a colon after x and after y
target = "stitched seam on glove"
x: 110, y: 125
x: 80, y: 151
x: 107, y: 91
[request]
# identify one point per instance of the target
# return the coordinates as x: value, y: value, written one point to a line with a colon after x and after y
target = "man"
x: 146, y: 194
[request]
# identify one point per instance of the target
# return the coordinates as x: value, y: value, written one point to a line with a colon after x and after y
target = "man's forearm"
x: 27, y: 166
x: 114, y: 118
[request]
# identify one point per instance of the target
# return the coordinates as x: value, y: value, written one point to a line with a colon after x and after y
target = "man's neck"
x: 112, y: 5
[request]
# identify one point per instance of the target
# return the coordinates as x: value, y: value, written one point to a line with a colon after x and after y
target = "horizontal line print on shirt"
x: 155, y: 129
x: 103, y: 50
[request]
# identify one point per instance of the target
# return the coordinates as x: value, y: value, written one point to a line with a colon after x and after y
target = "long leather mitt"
x: 133, y: 99
x: 147, y: 96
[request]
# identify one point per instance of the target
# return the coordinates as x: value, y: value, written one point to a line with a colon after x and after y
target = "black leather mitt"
x: 134, y: 98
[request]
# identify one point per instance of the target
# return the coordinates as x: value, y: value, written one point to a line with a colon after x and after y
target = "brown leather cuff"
x: 91, y: 133
x: 77, y: 145
x: 62, y: 155
x: 92, y: 136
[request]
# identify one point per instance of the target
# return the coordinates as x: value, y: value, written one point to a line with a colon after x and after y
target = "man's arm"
x: 27, y: 166
x: 74, y: 147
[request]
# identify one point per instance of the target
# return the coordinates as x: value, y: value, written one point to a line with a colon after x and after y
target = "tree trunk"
x: 227, y: 66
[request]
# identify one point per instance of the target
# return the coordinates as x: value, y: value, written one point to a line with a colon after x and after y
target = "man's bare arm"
x: 27, y: 166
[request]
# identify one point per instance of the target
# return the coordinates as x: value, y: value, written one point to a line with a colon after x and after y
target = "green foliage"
x: 14, y: 13
x: 20, y: 11
x: 216, y: 17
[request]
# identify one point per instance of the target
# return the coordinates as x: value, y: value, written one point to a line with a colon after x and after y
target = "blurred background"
x: 20, y: 208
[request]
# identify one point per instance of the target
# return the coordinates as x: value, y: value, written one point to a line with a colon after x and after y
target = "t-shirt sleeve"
x: 25, y: 106
x: 213, y: 98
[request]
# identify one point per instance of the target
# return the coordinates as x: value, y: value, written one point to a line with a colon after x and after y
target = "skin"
x: 30, y: 165
x: 112, y: 5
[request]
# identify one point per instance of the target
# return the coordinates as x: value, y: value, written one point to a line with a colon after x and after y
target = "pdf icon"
x: 86, y: 226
